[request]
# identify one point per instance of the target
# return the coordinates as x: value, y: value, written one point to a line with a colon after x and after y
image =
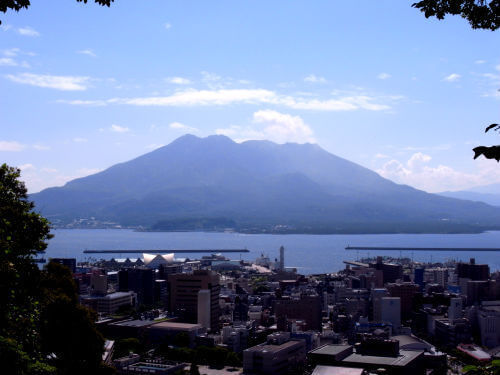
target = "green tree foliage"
x: 124, y: 347
x: 43, y: 329
x: 22, y: 235
x: 68, y: 332
x: 17, y: 5
x: 490, y: 369
x: 481, y: 14
x: 17, y: 362
x: 489, y: 152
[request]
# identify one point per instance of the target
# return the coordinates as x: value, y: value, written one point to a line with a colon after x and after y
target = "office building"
x: 455, y: 309
x: 184, y: 294
x: 391, y: 272
x: 307, y: 308
x: 488, y: 316
x: 391, y: 312
x: 167, y: 331
x: 139, y: 280
x: 274, y: 357
x: 473, y: 271
x: 109, y: 303
x: 406, y: 292
x: 98, y: 283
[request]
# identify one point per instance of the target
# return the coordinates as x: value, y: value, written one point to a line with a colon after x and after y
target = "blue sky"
x: 84, y: 87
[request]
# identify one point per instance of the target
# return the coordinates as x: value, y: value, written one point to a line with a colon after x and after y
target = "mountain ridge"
x: 259, y: 186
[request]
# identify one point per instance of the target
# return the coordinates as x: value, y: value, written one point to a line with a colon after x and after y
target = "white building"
x: 455, y: 309
x: 204, y: 300
x: 488, y: 317
x: 391, y: 312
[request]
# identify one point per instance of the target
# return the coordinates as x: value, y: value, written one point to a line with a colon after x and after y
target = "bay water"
x: 308, y: 253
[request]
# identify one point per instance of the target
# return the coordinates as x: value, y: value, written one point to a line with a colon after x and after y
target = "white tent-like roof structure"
x: 154, y: 260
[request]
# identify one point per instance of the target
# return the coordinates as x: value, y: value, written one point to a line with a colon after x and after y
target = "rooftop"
x: 134, y: 323
x: 404, y: 358
x: 272, y: 348
x: 330, y: 349
x: 177, y: 325
x: 336, y: 370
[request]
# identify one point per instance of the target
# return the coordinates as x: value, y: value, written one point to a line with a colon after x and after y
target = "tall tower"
x: 282, y: 258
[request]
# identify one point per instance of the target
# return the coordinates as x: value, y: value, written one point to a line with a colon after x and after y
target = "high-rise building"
x: 204, y: 308
x: 376, y: 295
x: 489, y: 324
x: 391, y: 312
x: 307, y: 308
x: 391, y: 272
x: 282, y: 258
x: 419, y: 276
x: 440, y: 276
x: 455, y: 309
x: 139, y: 280
x: 473, y: 271
x: 405, y: 291
x: 184, y: 294
x: 161, y: 293
x: 277, y: 356
x: 98, y: 283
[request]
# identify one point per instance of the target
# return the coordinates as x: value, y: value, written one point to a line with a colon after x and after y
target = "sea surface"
x: 309, y: 253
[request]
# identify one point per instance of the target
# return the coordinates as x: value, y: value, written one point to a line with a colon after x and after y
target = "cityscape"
x: 376, y: 316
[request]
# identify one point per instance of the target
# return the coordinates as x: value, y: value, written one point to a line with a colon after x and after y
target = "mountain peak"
x: 255, y: 184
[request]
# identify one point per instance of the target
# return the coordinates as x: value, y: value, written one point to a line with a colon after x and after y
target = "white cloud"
x: 7, y: 61
x: 119, y: 129
x: 90, y: 103
x: 274, y: 126
x: 479, y: 62
x: 41, y: 147
x: 8, y: 58
x: 87, y: 52
x: 384, y: 76
x: 180, y: 126
x: 179, y: 80
x: 64, y: 83
x: 419, y: 173
x: 167, y: 25
x: 49, y: 170
x: 11, y: 52
x: 381, y: 156
x: 210, y: 77
x: 312, y: 78
x: 283, y: 127
x: 452, y: 77
x: 28, y: 31
x: 80, y: 140
x: 11, y: 146
x: 200, y: 98
x: 26, y: 167
x: 222, y: 97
